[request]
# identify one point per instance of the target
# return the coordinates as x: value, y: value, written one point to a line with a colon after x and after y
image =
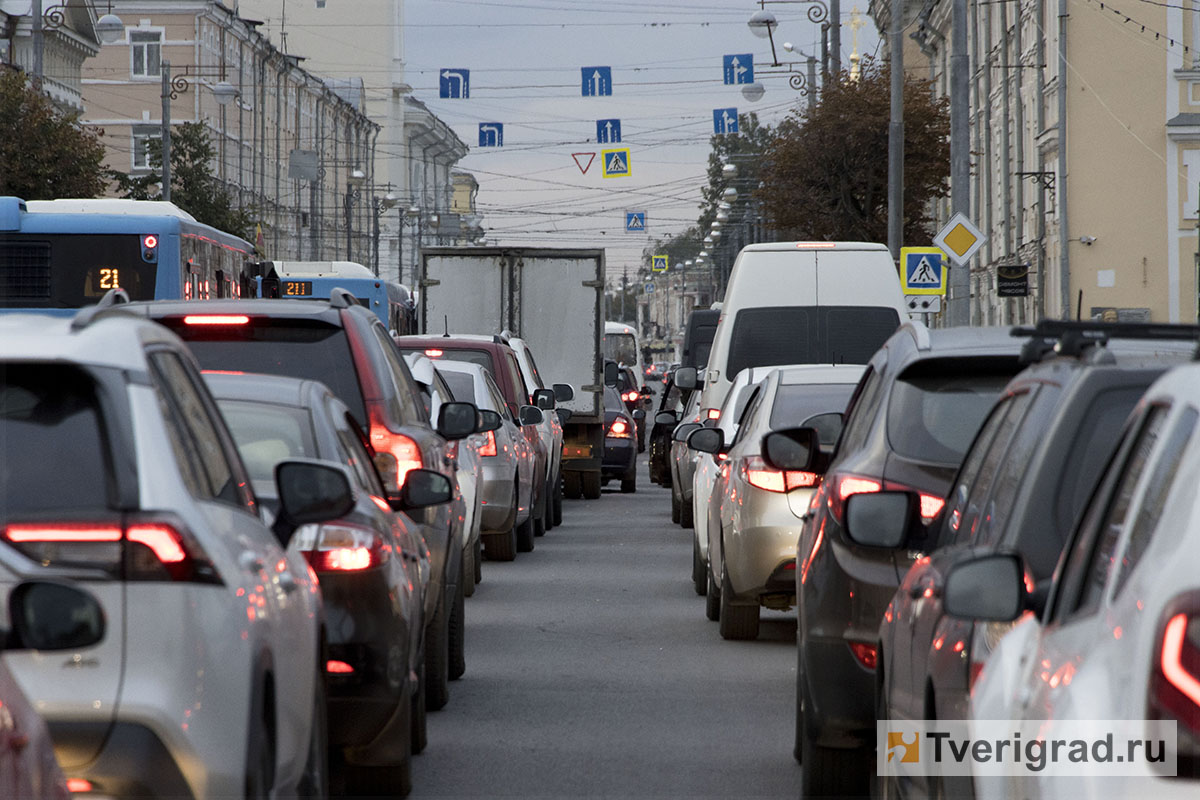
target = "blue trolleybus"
x: 313, y: 280
x: 58, y: 255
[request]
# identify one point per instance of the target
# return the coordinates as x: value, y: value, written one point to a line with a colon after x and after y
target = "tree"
x: 745, y: 150
x: 194, y: 187
x: 825, y: 173
x: 44, y: 153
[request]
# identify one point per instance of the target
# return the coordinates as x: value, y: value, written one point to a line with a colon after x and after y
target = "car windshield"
x: 266, y: 434
x: 814, y: 406
x: 764, y: 337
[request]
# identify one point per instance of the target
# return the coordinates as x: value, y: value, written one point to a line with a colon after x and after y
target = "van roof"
x: 814, y: 245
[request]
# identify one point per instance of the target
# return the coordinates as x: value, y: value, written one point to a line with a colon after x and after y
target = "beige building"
x: 286, y: 143
x: 68, y: 39
x: 1097, y: 206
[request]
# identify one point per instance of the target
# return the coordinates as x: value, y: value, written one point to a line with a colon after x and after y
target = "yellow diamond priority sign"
x: 960, y: 239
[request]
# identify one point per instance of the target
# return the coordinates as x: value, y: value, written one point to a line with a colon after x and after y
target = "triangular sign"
x: 583, y: 168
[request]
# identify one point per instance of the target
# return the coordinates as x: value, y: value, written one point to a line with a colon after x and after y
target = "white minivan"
x: 802, y: 303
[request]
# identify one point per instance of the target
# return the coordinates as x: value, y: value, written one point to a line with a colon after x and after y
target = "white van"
x: 802, y: 303
x: 621, y: 345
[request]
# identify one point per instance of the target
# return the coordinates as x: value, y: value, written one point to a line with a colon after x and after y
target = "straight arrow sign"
x: 608, y: 131
x: 597, y: 81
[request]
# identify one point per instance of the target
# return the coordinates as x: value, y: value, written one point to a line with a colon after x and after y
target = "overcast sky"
x: 525, y: 58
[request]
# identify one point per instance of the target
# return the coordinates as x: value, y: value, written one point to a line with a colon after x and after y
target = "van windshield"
x: 621, y: 347
x: 775, y: 335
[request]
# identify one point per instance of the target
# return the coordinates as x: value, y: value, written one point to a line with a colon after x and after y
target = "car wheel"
x: 686, y: 517
x: 479, y: 561
x: 314, y: 783
x: 712, y: 597
x: 629, y: 481
x: 558, y: 498
x: 501, y: 546
x: 548, y: 505
x: 699, y: 570
x: 468, y: 572
x: 674, y: 508
x: 738, y: 621
x: 525, y: 536
x: 437, y: 658
x: 830, y: 771
x: 591, y: 485
x: 572, y: 485
x: 260, y: 755
x: 418, y: 730
x: 458, y: 657
x: 539, y: 521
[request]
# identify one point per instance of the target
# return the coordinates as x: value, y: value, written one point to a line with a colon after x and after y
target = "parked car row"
x: 277, y: 516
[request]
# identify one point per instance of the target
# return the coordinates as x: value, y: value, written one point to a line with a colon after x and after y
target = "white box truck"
x: 551, y: 298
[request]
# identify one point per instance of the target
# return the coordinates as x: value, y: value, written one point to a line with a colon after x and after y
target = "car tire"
x: 548, y: 505
x: 699, y: 570
x: 629, y: 482
x: 314, y: 783
x: 674, y: 508
x: 830, y: 771
x: 457, y: 631
x: 437, y: 658
x: 260, y: 754
x: 525, y: 536
x: 558, y: 498
x: 501, y: 546
x: 572, y: 485
x: 737, y: 621
x: 418, y: 728
x: 591, y: 485
x: 468, y: 572
x: 687, y: 516
x: 539, y: 521
x: 712, y: 597
x: 479, y: 561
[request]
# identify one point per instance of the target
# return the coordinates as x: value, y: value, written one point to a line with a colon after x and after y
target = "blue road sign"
x: 491, y: 134
x: 615, y: 163
x: 924, y: 270
x: 739, y: 68
x: 725, y: 120
x: 608, y: 131
x: 454, y: 84
x: 658, y: 263
x: 635, y: 221
x: 648, y: 288
x: 597, y: 81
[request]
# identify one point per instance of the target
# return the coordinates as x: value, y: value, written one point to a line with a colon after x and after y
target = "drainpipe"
x: 1060, y: 181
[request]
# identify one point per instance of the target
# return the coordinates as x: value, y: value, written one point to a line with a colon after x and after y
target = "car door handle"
x: 250, y: 562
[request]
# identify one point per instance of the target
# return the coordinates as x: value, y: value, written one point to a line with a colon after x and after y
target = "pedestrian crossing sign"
x: 616, y: 163
x: 635, y: 221
x: 923, y: 270
x: 658, y: 263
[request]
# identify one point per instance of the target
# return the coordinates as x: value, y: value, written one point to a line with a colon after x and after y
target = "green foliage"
x: 825, y: 173
x: 194, y: 187
x: 44, y: 154
x: 745, y: 151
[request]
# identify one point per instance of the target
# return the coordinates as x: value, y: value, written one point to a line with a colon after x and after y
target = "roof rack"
x: 342, y: 298
x: 1072, y: 337
x: 86, y: 316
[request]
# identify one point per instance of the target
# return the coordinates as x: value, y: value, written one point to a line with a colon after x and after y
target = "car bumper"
x: 497, y: 503
x: 842, y: 693
x: 761, y: 543
x: 619, y: 455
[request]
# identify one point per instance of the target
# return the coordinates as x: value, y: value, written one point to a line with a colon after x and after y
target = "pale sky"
x: 525, y: 58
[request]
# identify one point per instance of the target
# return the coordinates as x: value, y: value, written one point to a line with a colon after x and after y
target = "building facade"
x: 288, y: 144
x: 68, y: 39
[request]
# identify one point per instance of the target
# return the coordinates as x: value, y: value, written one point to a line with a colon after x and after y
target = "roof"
x: 787, y: 246
x: 301, y: 309
x: 107, y: 205
x: 801, y: 374
x: 964, y: 341
x: 113, y: 340
x: 341, y: 269
x: 463, y: 341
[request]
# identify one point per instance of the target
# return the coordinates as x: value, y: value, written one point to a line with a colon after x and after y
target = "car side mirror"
x: 664, y: 418
x: 488, y: 421
x: 564, y: 414
x: 423, y: 488
x: 682, y: 432
x: 563, y: 392
x: 687, y: 378
x: 638, y: 414
x: 457, y: 420
x: 530, y: 415
x: 707, y: 440
x: 544, y: 399
x: 612, y: 374
x: 47, y: 615
x: 990, y: 587
x: 794, y: 449
x: 310, y: 491
x: 881, y: 519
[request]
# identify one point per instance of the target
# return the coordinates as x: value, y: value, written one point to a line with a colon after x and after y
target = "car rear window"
x: 796, y: 403
x: 53, y: 454
x: 481, y: 357
x: 775, y: 335
x: 462, y: 385
x: 292, y: 348
x: 938, y: 405
x: 266, y: 434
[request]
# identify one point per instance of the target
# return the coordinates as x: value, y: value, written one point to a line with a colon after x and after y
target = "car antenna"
x: 446, y: 326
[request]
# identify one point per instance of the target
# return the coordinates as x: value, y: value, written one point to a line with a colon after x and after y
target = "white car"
x: 117, y: 469
x: 1118, y: 635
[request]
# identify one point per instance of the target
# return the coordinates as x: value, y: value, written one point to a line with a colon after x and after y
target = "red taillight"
x: 395, y: 455
x: 847, y: 485
x: 150, y: 241
x: 78, y: 785
x: 619, y: 429
x: 931, y: 506
x: 138, y: 550
x: 629, y: 397
x: 815, y: 245
x: 756, y: 473
x: 334, y: 667
x: 340, y: 547
x: 489, y: 446
x: 434, y: 352
x: 711, y: 413
x: 216, y: 319
x: 864, y: 653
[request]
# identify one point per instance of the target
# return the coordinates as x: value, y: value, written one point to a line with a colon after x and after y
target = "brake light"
x: 864, y: 653
x: 141, y: 549
x: 334, y: 667
x: 150, y: 241
x: 815, y: 245
x: 434, y: 352
x: 216, y: 319
x: 78, y: 785
x: 341, y: 547
x: 619, y: 429
x: 712, y: 413
x: 395, y: 455
x: 629, y: 397
x: 489, y: 446
x: 931, y: 506
x: 847, y: 485
x: 756, y: 473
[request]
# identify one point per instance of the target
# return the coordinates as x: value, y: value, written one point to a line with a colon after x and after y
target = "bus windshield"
x: 69, y: 270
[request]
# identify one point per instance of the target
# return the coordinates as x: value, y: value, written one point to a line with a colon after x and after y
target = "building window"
x: 320, y: 3
x: 141, y: 145
x: 146, y: 50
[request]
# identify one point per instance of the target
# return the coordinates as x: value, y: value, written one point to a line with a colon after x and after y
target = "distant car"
x: 636, y: 398
x: 683, y: 462
x: 666, y: 417
x: 373, y: 565
x: 546, y: 398
x: 147, y: 499
x: 620, y: 442
x: 752, y: 525
x: 508, y: 463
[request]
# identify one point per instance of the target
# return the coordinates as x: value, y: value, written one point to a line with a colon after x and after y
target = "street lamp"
x: 172, y: 86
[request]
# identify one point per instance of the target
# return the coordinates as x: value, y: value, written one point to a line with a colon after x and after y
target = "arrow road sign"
x: 739, y: 68
x: 648, y: 288
x: 725, y: 120
x: 608, y: 131
x: 491, y: 134
x: 658, y: 263
x: 597, y: 81
x: 635, y: 221
x: 454, y: 84
x: 582, y: 163
x: 923, y: 271
x: 616, y: 163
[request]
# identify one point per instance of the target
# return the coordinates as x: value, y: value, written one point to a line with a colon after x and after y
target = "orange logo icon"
x: 911, y: 750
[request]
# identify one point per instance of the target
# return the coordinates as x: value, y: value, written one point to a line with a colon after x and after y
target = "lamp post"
x: 763, y: 23
x: 379, y: 204
x: 419, y: 221
x: 109, y: 28
x: 172, y: 86
x: 354, y: 179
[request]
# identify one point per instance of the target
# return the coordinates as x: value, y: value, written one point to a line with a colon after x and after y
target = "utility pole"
x: 166, y: 131
x: 958, y: 303
x: 896, y: 135
x: 39, y: 42
x: 624, y: 289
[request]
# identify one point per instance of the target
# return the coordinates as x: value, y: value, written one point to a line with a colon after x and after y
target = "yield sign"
x: 579, y: 161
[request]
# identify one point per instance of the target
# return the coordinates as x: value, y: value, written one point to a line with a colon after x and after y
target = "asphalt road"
x: 592, y: 671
